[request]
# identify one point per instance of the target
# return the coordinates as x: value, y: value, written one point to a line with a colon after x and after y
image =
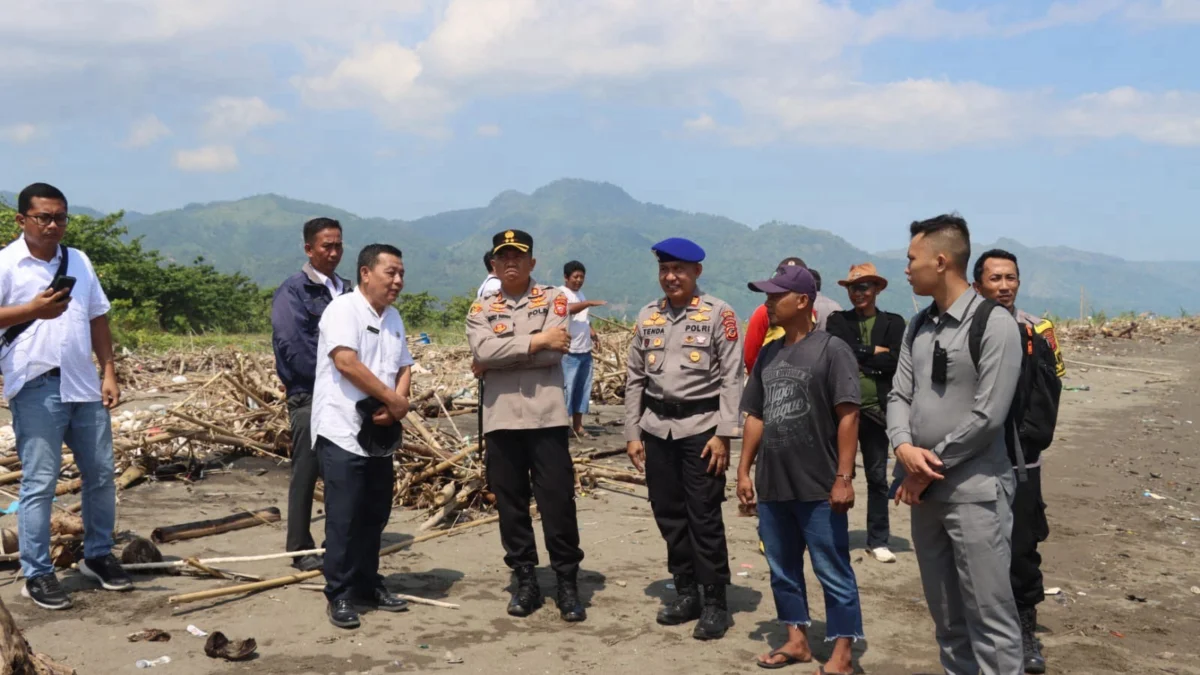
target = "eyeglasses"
x: 861, y: 288
x: 45, y: 219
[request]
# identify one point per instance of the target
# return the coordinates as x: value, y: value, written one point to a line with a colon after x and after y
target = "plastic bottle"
x: 143, y: 663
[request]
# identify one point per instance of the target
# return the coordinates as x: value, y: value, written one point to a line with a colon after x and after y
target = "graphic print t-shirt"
x: 794, y: 389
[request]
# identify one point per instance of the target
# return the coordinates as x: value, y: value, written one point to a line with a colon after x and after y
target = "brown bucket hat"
x: 861, y: 273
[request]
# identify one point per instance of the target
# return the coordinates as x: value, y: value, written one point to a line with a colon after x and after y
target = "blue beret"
x: 678, y: 249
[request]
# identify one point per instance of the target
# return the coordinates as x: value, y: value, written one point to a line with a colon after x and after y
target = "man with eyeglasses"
x: 53, y: 314
x: 875, y: 337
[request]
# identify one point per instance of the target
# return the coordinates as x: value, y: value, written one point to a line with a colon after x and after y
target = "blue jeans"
x: 577, y: 374
x: 786, y: 529
x: 42, y: 423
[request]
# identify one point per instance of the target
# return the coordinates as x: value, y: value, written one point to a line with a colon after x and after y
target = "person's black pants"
x: 358, y: 502
x: 686, y: 501
x: 528, y: 463
x: 306, y: 466
x: 872, y: 438
x: 1029, y: 528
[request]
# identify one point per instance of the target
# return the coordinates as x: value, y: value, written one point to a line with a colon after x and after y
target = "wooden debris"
x: 16, y: 656
x: 204, y: 528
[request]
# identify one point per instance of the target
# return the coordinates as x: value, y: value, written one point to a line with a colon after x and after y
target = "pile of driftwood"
x: 1157, y: 329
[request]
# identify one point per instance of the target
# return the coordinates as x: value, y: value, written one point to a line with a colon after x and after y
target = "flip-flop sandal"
x: 788, y: 660
x: 821, y: 671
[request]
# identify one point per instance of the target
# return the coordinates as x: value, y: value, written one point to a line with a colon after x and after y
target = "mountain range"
x: 611, y: 233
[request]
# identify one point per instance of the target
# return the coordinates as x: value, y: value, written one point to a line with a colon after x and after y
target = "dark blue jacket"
x: 296, y: 313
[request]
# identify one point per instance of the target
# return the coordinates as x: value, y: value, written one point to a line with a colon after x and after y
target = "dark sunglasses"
x: 861, y: 288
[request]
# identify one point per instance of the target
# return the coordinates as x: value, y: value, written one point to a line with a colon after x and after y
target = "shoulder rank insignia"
x: 729, y: 323
x: 695, y: 301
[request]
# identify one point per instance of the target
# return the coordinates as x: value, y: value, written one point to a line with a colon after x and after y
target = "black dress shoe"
x: 342, y: 614
x: 383, y: 601
x: 308, y: 563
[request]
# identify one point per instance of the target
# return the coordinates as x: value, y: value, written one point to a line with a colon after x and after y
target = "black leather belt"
x: 673, y: 409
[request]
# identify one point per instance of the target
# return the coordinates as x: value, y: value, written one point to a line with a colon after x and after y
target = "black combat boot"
x: 714, y: 619
x: 685, y: 607
x: 527, y: 596
x: 569, y: 606
x: 1034, y: 661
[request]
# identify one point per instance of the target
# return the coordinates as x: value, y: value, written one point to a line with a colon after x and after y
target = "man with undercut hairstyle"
x: 947, y: 414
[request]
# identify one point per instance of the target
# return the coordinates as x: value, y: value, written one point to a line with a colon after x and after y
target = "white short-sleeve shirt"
x: 579, y: 325
x: 379, y: 340
x: 65, y: 342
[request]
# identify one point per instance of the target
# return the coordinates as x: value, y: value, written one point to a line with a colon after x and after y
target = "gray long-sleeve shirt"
x: 962, y: 421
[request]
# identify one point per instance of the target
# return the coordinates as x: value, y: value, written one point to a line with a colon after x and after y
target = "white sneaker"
x: 883, y: 555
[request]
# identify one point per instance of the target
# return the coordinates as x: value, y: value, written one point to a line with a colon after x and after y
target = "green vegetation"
x: 151, y: 296
x: 611, y: 232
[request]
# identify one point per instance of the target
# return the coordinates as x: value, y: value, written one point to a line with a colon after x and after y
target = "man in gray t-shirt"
x: 802, y: 426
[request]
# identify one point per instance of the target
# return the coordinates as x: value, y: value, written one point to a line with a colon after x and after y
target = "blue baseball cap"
x: 677, y: 249
x: 788, y: 279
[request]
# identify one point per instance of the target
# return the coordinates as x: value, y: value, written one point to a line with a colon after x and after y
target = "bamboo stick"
x: 435, y: 470
x: 302, y: 576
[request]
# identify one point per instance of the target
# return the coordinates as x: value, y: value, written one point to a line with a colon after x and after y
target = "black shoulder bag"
x: 13, y: 332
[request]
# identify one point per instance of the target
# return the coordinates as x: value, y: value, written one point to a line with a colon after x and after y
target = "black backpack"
x: 1034, y: 411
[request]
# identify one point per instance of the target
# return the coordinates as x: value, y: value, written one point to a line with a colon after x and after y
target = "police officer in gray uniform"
x: 683, y: 387
x: 518, y: 334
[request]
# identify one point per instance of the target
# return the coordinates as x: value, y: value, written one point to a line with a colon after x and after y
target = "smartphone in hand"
x: 63, y: 282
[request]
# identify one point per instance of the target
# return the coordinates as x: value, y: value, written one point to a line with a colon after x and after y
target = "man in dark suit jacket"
x: 875, y: 337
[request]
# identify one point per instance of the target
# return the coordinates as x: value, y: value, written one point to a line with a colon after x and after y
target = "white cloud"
x: 787, y: 69
x: 210, y: 158
x: 1166, y: 11
x: 146, y: 131
x: 18, y: 134
x: 488, y: 130
x: 382, y: 77
x: 704, y: 122
x: 230, y: 117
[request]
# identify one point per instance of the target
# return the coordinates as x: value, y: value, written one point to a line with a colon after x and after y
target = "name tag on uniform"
x: 373, y: 329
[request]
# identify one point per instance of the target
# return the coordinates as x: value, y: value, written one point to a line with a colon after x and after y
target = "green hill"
x: 611, y: 232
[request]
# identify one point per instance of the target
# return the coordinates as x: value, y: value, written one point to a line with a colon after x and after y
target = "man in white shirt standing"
x: 360, y: 395
x: 491, y: 284
x: 51, y: 329
x: 577, y: 363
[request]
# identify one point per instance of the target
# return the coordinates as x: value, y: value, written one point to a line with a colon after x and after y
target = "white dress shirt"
x: 490, y: 285
x: 65, y: 342
x: 379, y: 340
x: 334, y: 284
x: 579, y: 326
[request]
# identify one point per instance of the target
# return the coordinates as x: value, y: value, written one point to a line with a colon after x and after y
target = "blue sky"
x: 1066, y: 123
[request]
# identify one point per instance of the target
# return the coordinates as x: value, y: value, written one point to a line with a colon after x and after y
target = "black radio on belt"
x: 675, y: 409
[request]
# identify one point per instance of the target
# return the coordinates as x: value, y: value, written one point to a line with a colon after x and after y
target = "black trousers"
x: 873, y: 440
x: 306, y: 466
x: 358, y: 503
x: 529, y: 463
x: 1029, y: 528
x: 686, y: 501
